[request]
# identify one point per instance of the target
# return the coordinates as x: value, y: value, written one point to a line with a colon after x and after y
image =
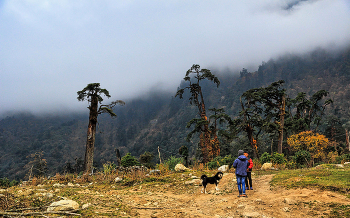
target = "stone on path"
x: 289, y: 201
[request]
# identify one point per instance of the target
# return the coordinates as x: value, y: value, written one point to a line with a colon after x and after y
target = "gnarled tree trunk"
x: 90, y: 141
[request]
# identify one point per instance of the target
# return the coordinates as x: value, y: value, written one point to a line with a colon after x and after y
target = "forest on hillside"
x: 159, y: 120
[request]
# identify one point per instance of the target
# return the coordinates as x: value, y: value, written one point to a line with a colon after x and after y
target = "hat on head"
x: 240, y: 152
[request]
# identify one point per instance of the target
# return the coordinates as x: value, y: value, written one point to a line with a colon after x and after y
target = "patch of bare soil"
x: 264, y: 201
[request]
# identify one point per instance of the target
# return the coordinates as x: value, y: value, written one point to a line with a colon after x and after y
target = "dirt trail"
x: 263, y: 201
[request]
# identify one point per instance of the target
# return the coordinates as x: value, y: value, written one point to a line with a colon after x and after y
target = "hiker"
x: 241, y: 165
x: 248, y: 180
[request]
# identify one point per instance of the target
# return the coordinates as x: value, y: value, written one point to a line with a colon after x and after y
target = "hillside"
x: 145, y: 123
x: 172, y: 195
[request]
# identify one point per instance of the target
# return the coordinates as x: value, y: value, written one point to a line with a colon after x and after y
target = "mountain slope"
x: 145, y: 123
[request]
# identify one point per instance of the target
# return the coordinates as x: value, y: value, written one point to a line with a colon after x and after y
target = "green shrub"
x: 265, y: 158
x: 291, y: 164
x: 227, y: 160
x: 128, y: 160
x: 219, y: 161
x: 5, y: 183
x: 301, y: 158
x: 343, y: 158
x: 214, y: 163
x: 172, y: 161
x: 146, y: 159
x: 277, y: 158
x: 108, y: 167
x: 14, y: 183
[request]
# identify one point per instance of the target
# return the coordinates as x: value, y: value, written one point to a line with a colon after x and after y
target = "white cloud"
x: 50, y: 49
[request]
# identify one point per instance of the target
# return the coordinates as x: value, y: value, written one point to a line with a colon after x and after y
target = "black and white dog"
x: 212, y: 180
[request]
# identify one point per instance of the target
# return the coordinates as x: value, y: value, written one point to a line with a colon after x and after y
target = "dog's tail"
x: 203, y: 177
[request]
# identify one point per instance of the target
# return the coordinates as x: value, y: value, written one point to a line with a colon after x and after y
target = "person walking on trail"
x: 241, y: 165
x: 248, y: 180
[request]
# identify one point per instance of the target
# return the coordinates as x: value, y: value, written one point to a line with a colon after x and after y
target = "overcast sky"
x: 50, y: 49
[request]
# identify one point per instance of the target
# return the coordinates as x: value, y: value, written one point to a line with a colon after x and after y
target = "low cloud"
x: 52, y: 49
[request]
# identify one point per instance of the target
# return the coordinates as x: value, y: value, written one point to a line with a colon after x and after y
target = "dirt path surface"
x: 264, y: 201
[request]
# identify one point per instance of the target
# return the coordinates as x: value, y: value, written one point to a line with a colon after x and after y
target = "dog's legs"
x: 216, y: 187
x: 204, y: 189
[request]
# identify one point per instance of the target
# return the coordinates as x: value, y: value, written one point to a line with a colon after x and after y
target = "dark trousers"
x: 249, y: 179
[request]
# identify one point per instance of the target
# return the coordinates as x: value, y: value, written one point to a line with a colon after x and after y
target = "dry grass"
x: 110, y: 199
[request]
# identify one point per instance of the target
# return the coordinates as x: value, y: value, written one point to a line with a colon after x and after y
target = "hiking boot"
x: 251, y: 188
x: 244, y: 195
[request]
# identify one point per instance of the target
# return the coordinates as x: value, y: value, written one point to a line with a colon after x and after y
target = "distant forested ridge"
x: 159, y: 120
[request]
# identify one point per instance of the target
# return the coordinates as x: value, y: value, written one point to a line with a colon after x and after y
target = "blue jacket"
x: 241, y: 165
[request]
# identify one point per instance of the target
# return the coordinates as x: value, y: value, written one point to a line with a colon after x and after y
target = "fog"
x: 50, y: 49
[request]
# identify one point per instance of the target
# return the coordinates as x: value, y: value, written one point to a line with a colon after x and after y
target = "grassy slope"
x: 325, y: 177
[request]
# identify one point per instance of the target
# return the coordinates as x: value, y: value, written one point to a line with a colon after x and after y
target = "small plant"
x: 128, y: 160
x: 256, y: 164
x: 84, y: 178
x: 108, y: 168
x: 332, y: 157
x: 37, y: 165
x: 277, y: 158
x: 172, y: 161
x: 265, y: 158
x: 219, y: 161
x: 291, y: 164
x: 163, y: 168
x: 301, y: 158
x: 5, y: 182
x: 146, y: 159
x: 198, y: 166
x: 35, y: 181
x: 213, y: 164
x: 183, y: 151
x: 37, y: 202
x: 343, y: 158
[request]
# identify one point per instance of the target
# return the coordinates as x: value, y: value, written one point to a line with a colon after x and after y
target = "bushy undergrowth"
x: 108, y: 168
x: 343, y: 158
x: 172, y: 161
x: 265, y: 158
x: 5, y: 183
x: 128, y: 160
x: 275, y: 158
x: 301, y: 159
x: 219, y: 161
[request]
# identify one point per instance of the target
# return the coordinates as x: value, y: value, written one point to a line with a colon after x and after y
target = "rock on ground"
x: 266, y: 166
x: 223, y: 168
x: 63, y: 205
x: 180, y: 167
